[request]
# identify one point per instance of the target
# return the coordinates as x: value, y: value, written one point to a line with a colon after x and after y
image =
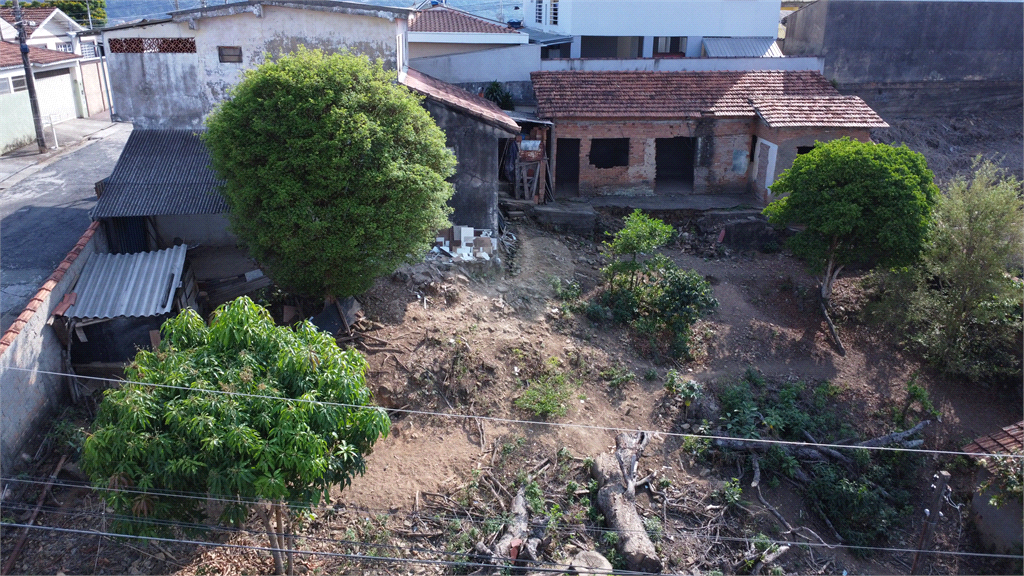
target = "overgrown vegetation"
x: 549, y: 393
x: 272, y: 450
x: 648, y: 291
x: 961, y: 308
x: 865, y: 496
x: 497, y: 93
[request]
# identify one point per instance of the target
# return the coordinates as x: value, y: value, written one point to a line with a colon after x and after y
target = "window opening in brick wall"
x: 230, y: 53
x: 554, y: 12
x: 803, y: 149
x: 18, y: 83
x: 539, y: 12
x: 609, y: 152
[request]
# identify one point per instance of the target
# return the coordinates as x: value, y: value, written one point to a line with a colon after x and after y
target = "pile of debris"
x: 464, y: 244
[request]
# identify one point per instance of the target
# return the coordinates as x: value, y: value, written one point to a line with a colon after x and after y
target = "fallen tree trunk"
x: 897, y: 437
x: 616, y: 476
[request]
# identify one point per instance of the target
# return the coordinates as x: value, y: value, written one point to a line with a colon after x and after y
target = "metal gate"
x: 56, y: 94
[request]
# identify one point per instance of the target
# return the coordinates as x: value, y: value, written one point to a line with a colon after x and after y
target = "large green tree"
x: 250, y: 415
x: 858, y: 203
x: 334, y: 173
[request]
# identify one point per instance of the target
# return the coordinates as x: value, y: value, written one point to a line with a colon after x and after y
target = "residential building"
x: 67, y: 65
x: 54, y: 73
x: 441, y: 30
x: 645, y: 28
x: 171, y: 72
x: 646, y: 133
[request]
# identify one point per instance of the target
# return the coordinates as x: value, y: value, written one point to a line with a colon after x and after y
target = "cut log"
x: 616, y: 476
x: 895, y: 437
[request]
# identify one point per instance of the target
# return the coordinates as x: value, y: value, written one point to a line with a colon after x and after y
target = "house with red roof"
x: 53, y: 71
x: 441, y: 30
x: 677, y: 133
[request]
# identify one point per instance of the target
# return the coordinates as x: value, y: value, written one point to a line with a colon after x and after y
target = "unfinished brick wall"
x: 788, y: 140
x: 716, y: 170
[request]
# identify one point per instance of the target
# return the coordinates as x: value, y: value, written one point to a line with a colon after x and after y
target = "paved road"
x: 44, y: 214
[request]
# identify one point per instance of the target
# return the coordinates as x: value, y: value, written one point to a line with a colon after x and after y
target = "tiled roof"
x: 10, y: 55
x: 669, y: 95
x: 1009, y: 440
x: 35, y: 16
x: 161, y: 172
x: 460, y: 99
x: 836, y: 111
x: 441, y: 19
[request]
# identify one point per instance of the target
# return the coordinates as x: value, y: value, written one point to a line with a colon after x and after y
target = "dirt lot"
x: 464, y: 341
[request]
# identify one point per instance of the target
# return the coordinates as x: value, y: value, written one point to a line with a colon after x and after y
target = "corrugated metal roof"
x: 133, y: 285
x: 161, y: 172
x: 545, y: 38
x: 741, y: 48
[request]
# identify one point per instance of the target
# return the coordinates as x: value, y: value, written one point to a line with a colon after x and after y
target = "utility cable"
x: 496, y: 419
x: 595, y: 529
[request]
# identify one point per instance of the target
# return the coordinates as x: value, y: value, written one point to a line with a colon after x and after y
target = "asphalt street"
x: 45, y: 212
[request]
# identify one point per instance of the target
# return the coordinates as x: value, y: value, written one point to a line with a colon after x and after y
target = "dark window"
x: 668, y: 45
x: 539, y: 15
x: 230, y: 53
x: 18, y: 84
x: 803, y: 149
x: 554, y: 12
x: 609, y: 152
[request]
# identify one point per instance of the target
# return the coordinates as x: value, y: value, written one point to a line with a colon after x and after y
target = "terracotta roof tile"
x: 10, y: 55
x: 1009, y: 440
x: 836, y: 111
x: 671, y: 95
x: 442, y: 19
x: 36, y: 15
x: 456, y: 97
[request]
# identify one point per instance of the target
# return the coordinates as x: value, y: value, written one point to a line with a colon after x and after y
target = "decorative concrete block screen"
x: 152, y: 45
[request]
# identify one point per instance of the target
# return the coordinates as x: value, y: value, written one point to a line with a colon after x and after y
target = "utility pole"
x: 30, y: 81
x: 932, y: 516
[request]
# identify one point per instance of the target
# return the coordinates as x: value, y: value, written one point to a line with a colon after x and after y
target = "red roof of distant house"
x: 835, y: 111
x: 10, y: 55
x: 671, y: 95
x: 441, y: 19
x: 460, y: 99
x: 33, y: 17
x: 1009, y: 440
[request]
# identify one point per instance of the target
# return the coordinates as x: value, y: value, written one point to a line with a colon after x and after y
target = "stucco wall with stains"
x: 156, y: 89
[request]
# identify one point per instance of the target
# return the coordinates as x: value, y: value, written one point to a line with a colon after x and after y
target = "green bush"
x: 654, y: 296
x: 547, y: 395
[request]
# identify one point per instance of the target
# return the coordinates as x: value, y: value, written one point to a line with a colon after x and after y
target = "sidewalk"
x: 71, y: 135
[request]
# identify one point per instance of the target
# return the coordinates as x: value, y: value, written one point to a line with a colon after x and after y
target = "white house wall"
x: 660, y: 17
x: 511, y: 64
x: 176, y: 90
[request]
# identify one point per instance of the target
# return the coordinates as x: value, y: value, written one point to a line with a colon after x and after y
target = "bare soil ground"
x: 466, y: 343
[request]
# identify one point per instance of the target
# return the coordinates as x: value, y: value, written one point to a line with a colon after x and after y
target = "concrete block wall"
x: 29, y: 399
x: 714, y: 157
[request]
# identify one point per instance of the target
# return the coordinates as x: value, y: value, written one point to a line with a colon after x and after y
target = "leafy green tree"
x: 79, y: 10
x: 640, y: 235
x: 859, y: 202
x: 335, y: 174
x: 241, y: 420
x: 962, y: 307
x: 498, y: 94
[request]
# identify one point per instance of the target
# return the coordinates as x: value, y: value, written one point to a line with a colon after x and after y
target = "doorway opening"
x: 673, y: 158
x: 567, y: 168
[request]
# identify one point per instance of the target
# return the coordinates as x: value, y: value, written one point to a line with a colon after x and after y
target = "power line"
x: 357, y: 557
x: 483, y: 520
x: 521, y: 422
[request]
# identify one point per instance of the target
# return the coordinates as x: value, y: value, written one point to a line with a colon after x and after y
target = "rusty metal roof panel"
x: 132, y: 285
x: 161, y: 172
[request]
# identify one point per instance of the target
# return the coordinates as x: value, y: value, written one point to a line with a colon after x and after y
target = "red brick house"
x: 645, y: 133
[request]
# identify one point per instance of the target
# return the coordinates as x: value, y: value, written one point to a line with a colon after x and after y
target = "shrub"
x: 547, y: 395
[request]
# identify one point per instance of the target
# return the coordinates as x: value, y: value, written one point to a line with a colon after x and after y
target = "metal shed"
x: 128, y: 285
